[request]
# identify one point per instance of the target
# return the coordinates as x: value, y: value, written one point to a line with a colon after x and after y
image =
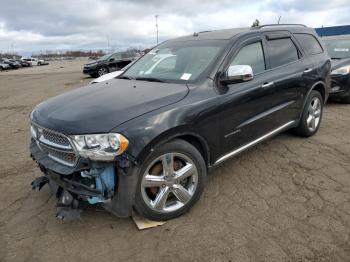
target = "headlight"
x: 341, y: 71
x: 93, y: 64
x: 102, y: 147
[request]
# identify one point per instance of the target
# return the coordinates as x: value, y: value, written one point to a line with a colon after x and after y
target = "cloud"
x: 87, y: 24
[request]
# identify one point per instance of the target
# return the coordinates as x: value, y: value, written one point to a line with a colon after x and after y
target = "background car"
x: 4, y: 66
x: 160, y: 61
x: 109, y: 63
x: 12, y: 63
x: 112, y: 75
x: 24, y: 63
x: 339, y: 50
x: 31, y: 60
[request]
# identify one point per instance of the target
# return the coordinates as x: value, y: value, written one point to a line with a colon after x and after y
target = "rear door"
x: 287, y: 71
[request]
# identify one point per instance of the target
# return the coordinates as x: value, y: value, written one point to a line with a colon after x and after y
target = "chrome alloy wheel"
x: 169, y: 182
x: 102, y: 71
x: 314, y: 114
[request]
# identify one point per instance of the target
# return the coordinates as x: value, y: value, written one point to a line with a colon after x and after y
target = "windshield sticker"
x: 186, y: 76
x: 341, y: 49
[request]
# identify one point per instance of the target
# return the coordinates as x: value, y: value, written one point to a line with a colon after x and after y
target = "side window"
x: 309, y: 43
x: 117, y: 56
x: 252, y: 55
x: 282, y: 52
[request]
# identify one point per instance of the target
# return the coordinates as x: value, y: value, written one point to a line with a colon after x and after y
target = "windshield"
x: 176, y: 61
x: 338, y: 49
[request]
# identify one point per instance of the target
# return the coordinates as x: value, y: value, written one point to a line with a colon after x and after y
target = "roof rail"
x: 267, y: 25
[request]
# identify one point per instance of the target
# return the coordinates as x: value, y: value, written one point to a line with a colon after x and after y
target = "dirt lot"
x: 285, y: 200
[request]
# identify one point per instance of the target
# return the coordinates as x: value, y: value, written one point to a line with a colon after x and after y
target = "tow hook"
x: 68, y: 207
x: 39, y: 182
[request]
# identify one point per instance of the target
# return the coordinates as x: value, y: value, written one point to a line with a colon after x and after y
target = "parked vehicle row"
x: 7, y: 64
x: 146, y: 140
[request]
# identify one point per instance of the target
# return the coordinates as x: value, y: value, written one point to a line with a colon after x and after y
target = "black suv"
x: 338, y: 48
x: 109, y: 63
x: 146, y: 139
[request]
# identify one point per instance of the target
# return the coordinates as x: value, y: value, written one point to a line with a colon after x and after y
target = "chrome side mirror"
x: 237, y: 74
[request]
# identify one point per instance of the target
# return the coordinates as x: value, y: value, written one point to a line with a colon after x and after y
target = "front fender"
x: 197, y: 119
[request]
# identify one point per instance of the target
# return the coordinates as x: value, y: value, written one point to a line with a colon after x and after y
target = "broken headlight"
x: 101, y: 147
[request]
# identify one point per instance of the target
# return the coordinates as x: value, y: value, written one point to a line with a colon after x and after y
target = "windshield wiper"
x: 125, y: 77
x: 150, y: 79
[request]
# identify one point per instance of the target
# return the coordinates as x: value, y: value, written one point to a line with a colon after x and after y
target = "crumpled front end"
x: 78, y: 182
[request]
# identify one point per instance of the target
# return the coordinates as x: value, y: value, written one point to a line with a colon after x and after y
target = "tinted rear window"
x: 309, y: 43
x: 282, y: 52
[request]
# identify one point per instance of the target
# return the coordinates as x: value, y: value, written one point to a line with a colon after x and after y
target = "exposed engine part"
x: 104, y: 181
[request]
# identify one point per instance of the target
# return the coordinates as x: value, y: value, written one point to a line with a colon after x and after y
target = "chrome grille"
x: 55, y: 138
x: 63, y: 157
x: 57, y: 146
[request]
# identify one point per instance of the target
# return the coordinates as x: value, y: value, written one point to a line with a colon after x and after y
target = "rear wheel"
x: 171, y: 181
x: 312, y: 115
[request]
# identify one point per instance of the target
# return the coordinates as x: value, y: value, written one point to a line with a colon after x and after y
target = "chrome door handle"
x: 267, y: 84
x: 308, y: 70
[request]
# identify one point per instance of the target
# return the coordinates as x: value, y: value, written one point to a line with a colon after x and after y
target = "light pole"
x: 156, y: 16
x: 279, y: 20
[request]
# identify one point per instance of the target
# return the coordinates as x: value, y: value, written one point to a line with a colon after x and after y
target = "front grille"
x: 57, y: 146
x: 63, y: 157
x: 55, y: 138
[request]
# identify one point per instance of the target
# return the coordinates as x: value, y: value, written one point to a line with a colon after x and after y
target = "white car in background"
x: 35, y: 61
x: 158, y: 59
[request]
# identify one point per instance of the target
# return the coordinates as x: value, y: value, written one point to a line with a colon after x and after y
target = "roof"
x: 333, y: 30
x: 230, y: 33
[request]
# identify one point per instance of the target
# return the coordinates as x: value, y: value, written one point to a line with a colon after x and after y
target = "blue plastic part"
x: 107, y: 177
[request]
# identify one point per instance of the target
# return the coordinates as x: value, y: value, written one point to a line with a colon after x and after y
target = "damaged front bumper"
x: 111, y: 184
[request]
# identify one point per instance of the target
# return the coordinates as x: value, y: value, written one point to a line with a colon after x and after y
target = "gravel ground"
x: 284, y: 200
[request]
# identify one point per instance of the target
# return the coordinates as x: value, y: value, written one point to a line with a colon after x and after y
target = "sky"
x: 58, y: 25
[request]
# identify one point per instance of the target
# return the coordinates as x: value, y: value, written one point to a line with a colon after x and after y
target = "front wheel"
x: 312, y: 115
x: 346, y: 100
x: 102, y: 71
x: 171, y: 181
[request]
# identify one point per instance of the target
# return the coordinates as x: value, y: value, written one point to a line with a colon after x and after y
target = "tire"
x: 346, y: 100
x: 102, y: 71
x: 166, y: 195
x: 312, y: 115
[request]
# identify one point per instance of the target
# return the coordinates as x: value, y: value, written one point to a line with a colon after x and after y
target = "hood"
x: 101, y: 107
x: 106, y: 77
x: 338, y: 63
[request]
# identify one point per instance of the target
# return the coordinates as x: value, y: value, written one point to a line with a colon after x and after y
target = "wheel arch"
x: 319, y: 86
x: 191, y: 137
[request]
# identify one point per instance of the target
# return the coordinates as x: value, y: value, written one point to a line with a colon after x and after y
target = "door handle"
x: 308, y: 70
x: 267, y: 84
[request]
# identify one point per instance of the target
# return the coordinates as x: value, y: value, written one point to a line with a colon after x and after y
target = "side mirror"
x: 111, y: 59
x: 237, y: 74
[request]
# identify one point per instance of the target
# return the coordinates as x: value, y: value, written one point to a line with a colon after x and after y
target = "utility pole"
x: 156, y: 16
x: 107, y: 43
